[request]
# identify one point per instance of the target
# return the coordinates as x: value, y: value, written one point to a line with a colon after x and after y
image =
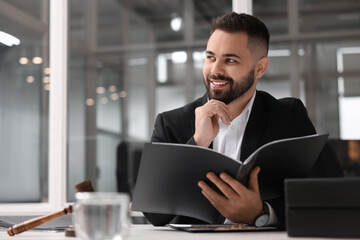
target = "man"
x: 234, y: 119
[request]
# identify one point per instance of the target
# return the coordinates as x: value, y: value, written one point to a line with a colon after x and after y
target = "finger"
x: 214, y: 198
x: 219, y: 108
x: 222, y: 113
x: 233, y: 183
x: 211, y: 192
x: 221, y: 185
x: 220, y: 207
x: 253, y: 180
x: 214, y: 113
x: 214, y: 101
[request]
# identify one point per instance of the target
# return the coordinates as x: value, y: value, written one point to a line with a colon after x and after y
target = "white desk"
x: 148, y: 232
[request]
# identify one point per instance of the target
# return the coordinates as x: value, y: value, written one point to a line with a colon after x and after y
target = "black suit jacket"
x: 270, y: 119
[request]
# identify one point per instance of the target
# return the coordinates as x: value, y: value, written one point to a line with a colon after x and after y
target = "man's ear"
x: 261, y: 66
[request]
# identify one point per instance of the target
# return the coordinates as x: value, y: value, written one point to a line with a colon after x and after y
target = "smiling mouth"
x: 218, y: 84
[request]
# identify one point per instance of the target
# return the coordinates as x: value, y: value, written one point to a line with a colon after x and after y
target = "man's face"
x: 228, y: 68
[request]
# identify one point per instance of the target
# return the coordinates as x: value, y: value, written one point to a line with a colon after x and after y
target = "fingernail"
x: 210, y: 176
x: 223, y: 176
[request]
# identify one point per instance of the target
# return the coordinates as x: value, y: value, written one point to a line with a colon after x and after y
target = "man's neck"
x: 237, y: 106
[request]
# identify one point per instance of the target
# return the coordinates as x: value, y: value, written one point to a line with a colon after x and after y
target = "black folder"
x: 169, y: 173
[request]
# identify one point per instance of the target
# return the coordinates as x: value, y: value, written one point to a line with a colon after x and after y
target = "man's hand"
x: 239, y: 204
x: 206, y: 121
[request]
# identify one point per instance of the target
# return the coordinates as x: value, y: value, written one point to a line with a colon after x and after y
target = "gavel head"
x: 85, y: 186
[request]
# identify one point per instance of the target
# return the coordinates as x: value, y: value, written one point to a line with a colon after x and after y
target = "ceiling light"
x: 47, y: 70
x: 8, y: 40
x: 114, y: 96
x: 47, y: 87
x: 301, y: 52
x: 46, y: 79
x: 89, y: 102
x: 37, y: 60
x: 162, y: 68
x: 123, y: 94
x: 199, y: 56
x: 112, y: 88
x: 100, y: 90
x: 23, y: 60
x: 179, y: 57
x: 30, y: 79
x: 137, y: 61
x: 279, y: 53
x: 176, y: 23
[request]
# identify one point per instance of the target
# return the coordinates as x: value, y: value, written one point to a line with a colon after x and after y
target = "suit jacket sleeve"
x: 325, y: 166
x: 160, y: 133
x: 301, y: 125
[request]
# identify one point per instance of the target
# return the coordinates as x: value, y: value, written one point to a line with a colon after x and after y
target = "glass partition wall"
x: 129, y: 60
x: 141, y: 58
x: 314, y: 55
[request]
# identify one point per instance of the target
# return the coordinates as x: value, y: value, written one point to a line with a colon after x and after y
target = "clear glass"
x: 24, y: 99
x: 101, y: 215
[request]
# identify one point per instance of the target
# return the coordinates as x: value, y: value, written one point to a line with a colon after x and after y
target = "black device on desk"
x: 323, y: 207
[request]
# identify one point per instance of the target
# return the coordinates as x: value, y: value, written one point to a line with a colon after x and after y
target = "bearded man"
x: 235, y: 119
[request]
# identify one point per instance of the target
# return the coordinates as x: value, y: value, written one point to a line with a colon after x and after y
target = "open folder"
x: 169, y: 173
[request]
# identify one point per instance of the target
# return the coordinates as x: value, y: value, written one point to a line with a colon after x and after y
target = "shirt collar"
x: 244, y: 114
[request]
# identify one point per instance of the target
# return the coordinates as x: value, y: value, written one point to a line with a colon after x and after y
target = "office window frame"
x: 57, y: 119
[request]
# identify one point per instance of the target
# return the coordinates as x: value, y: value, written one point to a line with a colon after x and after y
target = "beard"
x: 237, y: 88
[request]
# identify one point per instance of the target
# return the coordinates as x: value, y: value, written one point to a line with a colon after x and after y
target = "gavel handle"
x: 32, y: 223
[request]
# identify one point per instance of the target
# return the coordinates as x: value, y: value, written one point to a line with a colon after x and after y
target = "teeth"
x: 219, y: 83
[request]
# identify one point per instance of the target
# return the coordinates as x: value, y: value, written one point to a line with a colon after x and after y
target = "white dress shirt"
x: 229, y: 138
x: 228, y: 142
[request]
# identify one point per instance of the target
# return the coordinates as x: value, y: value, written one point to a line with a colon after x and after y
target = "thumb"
x: 253, y: 180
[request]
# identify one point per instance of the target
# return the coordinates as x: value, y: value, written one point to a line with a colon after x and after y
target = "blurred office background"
x: 128, y: 60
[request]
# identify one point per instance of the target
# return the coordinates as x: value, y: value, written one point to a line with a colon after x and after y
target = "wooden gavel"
x: 85, y: 186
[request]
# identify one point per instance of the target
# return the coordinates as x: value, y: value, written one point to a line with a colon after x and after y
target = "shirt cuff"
x: 273, y: 220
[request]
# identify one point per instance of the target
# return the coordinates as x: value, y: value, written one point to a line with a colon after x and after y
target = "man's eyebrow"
x: 231, y: 55
x: 224, y: 55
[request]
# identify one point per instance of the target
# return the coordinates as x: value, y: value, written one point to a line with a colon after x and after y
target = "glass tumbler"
x: 101, y: 215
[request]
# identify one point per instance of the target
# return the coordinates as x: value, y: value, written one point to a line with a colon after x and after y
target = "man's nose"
x: 217, y: 68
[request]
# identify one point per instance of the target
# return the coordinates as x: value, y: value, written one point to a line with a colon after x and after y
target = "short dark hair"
x: 258, y: 34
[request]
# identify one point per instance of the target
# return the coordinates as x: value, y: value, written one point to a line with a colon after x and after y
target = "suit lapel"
x: 254, y: 129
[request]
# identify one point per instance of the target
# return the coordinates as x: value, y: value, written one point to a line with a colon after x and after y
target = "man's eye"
x: 210, y: 57
x: 230, y: 60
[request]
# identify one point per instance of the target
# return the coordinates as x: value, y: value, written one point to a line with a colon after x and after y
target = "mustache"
x: 220, y: 77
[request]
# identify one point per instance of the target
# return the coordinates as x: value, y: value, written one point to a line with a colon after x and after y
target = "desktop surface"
x: 148, y: 232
